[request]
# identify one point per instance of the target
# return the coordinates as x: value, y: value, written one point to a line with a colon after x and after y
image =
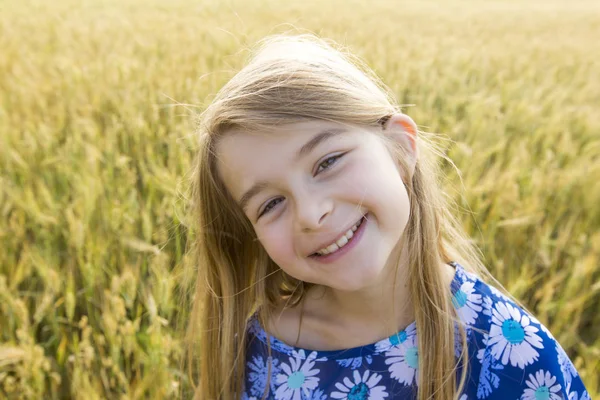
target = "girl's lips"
x: 331, y: 257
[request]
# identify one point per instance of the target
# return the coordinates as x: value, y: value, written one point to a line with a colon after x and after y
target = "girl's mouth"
x: 344, y: 244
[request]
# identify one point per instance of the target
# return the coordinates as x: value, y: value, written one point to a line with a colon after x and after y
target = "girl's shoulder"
x: 511, y: 354
x: 488, y: 305
x: 517, y: 356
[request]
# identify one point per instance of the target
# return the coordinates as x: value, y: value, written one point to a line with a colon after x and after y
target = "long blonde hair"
x: 292, y: 78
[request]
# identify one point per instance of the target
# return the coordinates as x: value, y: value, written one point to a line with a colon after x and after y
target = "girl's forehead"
x: 289, y: 131
x: 282, y: 138
x: 245, y: 157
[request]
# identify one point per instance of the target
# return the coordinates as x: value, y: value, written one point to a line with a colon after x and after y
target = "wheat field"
x: 97, y: 105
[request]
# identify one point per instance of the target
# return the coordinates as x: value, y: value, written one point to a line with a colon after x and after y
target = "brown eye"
x: 327, y: 163
x: 270, y: 205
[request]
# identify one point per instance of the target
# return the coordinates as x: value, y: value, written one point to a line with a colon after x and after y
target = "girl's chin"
x: 359, y: 277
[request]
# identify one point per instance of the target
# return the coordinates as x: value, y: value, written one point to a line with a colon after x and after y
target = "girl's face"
x: 307, y: 187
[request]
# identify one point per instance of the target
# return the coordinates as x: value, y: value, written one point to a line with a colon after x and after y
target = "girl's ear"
x: 403, y: 130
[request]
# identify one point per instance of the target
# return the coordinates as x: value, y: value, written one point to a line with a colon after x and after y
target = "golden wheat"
x: 96, y: 137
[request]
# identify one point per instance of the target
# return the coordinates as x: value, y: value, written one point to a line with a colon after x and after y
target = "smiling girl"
x: 330, y: 265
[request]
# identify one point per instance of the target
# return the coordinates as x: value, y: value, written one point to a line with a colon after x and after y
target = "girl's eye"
x: 327, y: 163
x: 270, y: 206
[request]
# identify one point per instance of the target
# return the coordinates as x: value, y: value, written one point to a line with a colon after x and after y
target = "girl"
x: 330, y: 266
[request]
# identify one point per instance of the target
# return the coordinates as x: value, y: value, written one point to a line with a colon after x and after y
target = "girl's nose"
x: 312, y: 211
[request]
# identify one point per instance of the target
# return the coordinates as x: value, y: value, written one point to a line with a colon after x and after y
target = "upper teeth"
x: 341, y: 242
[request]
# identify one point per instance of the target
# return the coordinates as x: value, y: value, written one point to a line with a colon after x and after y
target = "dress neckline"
x: 407, y: 334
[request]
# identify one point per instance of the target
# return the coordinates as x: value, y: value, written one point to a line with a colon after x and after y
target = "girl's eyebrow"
x: 317, y: 139
x: 304, y: 150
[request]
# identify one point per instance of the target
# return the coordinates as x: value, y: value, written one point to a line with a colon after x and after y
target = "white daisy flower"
x: 488, y: 306
x: 403, y: 361
x: 363, y: 387
x: 541, y: 386
x: 396, y: 339
x: 467, y: 303
x: 511, y: 337
x: 297, y: 377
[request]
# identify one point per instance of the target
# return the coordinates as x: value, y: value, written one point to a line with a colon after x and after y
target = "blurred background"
x: 97, y: 105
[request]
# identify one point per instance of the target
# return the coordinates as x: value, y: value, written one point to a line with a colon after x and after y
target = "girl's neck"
x: 386, y: 303
x: 325, y: 316
x: 324, y: 323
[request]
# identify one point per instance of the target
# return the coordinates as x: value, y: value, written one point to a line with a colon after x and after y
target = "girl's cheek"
x: 278, y: 245
x: 360, y: 172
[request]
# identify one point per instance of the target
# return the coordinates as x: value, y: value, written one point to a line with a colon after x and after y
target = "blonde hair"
x: 293, y: 78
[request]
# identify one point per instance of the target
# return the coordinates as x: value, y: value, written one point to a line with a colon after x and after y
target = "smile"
x: 342, y: 242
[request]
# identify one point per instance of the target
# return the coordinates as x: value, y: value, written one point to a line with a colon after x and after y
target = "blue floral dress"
x: 518, y: 358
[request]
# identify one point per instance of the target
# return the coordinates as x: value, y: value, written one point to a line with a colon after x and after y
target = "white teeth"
x: 341, y: 242
x: 332, y: 247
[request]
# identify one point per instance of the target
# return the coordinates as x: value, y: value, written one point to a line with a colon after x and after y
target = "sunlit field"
x: 97, y: 105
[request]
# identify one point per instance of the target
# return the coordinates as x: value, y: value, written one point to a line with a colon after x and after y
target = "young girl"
x: 329, y: 264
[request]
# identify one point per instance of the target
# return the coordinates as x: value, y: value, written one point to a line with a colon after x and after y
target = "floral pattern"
x: 297, y: 378
x: 360, y: 387
x: 511, y: 355
x: 541, y: 386
x: 403, y: 361
x: 512, y: 337
x: 467, y: 303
